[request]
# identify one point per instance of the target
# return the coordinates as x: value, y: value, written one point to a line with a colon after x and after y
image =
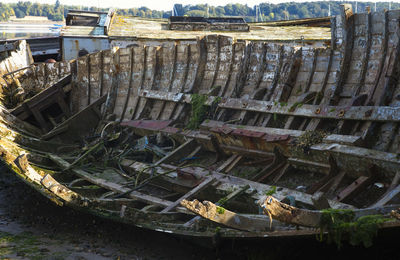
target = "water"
x: 12, y: 30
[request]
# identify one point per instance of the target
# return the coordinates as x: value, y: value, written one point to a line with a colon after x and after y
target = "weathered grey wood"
x: 110, y: 185
x: 310, y: 218
x: 320, y: 201
x: 179, y: 152
x: 387, y: 197
x: 78, y: 118
x: 207, y: 182
x: 226, y: 217
x: 364, y: 113
x: 222, y: 202
x: 227, y: 182
x: 231, y: 161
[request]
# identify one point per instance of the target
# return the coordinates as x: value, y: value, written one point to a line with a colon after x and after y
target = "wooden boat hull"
x: 317, y: 127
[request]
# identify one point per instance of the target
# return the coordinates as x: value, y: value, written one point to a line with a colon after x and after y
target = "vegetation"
x: 271, y: 191
x: 267, y: 11
x: 199, y: 111
x: 342, y: 225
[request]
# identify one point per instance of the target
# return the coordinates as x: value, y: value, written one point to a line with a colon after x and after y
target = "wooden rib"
x: 179, y: 152
x: 230, y: 163
x: 232, y: 181
x: 110, y: 185
x: 258, y: 69
x: 234, y: 75
x: 148, y: 77
x: 128, y: 94
x: 282, y: 172
x: 288, y: 73
x: 387, y: 197
x: 165, y: 78
x: 138, y: 73
x: 203, y: 185
x: 195, y: 68
x: 354, y: 188
x: 314, y: 123
x: 180, y: 71
x: 95, y: 76
x: 123, y: 71
x: 391, y: 192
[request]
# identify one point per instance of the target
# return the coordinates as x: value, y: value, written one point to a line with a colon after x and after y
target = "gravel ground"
x: 32, y: 227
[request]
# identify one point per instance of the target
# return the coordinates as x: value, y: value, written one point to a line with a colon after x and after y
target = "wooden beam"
x: 231, y: 196
x: 387, y: 197
x: 356, y: 187
x: 179, y: 152
x: 207, y: 182
x: 230, y: 163
x: 77, y: 119
x: 365, y: 113
x: 118, y: 188
x: 226, y: 217
x: 310, y: 218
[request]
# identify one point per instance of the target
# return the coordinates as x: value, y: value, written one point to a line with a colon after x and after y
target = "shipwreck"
x: 217, y: 135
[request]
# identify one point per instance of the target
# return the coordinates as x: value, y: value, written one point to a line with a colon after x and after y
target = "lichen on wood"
x: 303, y: 143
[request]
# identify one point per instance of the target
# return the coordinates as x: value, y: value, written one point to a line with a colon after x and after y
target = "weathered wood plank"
x: 226, y: 217
x: 365, y: 113
x: 110, y: 185
x: 203, y: 185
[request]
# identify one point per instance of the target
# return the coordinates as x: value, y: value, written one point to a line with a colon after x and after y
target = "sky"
x: 165, y: 5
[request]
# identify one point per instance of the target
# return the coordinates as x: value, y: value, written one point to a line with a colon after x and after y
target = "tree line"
x: 262, y: 12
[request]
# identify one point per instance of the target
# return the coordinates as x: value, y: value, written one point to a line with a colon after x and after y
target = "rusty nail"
x: 318, y: 110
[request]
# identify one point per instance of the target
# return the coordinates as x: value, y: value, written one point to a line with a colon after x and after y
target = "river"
x: 24, y: 30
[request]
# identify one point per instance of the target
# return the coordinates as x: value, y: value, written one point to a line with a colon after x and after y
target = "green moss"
x: 222, y: 201
x: 199, y: 111
x: 271, y: 191
x: 25, y: 244
x: 220, y: 210
x: 341, y: 225
x: 217, y: 229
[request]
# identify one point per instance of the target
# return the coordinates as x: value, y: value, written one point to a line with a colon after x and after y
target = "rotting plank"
x: 110, y: 185
x: 164, y: 76
x: 138, y: 69
x: 74, y: 123
x: 387, y: 197
x: 228, y: 182
x: 364, y: 113
x: 354, y: 188
x: 310, y: 218
x: 148, y: 77
x: 203, y: 185
x: 226, y: 217
x: 231, y: 196
x: 179, y: 152
x: 181, y: 67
